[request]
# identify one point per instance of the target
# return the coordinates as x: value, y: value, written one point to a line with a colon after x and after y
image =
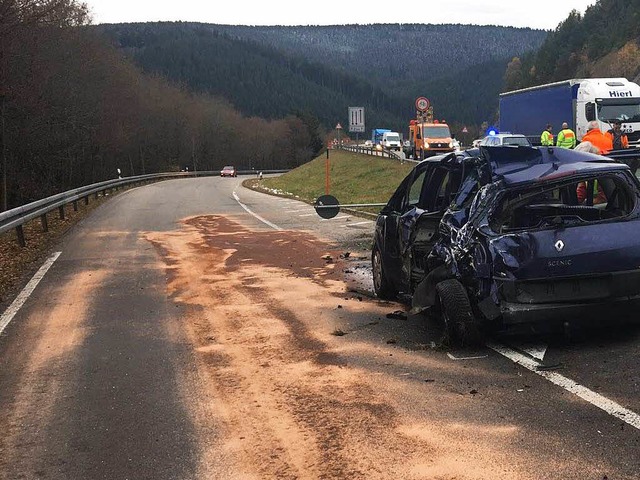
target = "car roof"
x: 533, y: 164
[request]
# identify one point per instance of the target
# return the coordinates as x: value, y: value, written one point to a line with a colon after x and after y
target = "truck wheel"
x: 461, y: 327
x: 381, y: 285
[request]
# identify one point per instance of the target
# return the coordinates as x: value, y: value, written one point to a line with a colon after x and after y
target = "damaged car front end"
x: 512, y: 238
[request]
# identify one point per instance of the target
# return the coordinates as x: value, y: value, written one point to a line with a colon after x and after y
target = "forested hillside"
x: 73, y: 110
x: 256, y: 79
x: 604, y: 42
x: 396, y: 56
x: 272, y: 71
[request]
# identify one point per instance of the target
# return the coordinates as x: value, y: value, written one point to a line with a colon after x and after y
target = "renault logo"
x: 559, y: 245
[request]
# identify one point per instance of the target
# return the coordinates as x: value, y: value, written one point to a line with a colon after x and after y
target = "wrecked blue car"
x: 507, y: 237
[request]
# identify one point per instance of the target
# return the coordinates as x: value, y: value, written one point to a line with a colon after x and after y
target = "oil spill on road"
x: 260, y: 308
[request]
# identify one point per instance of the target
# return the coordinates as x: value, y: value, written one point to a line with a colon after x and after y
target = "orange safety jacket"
x: 598, y: 140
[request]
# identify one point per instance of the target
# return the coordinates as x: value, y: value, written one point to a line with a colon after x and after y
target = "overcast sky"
x: 545, y: 14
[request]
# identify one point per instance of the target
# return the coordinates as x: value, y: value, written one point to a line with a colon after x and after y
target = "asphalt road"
x: 227, y: 346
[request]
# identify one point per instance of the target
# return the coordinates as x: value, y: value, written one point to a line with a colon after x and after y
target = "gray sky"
x: 544, y: 14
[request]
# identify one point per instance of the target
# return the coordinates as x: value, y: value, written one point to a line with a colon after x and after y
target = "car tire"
x: 381, y: 284
x: 461, y: 326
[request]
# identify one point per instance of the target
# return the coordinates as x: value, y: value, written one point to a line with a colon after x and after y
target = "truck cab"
x: 608, y: 99
x: 428, y: 139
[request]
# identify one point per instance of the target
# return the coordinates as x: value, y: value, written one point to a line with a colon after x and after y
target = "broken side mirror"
x: 590, y: 111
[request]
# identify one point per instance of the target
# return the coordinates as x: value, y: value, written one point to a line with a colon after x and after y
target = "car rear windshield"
x: 520, y: 141
x: 571, y: 202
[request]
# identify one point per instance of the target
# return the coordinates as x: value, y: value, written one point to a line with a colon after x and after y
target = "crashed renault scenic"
x: 503, y: 238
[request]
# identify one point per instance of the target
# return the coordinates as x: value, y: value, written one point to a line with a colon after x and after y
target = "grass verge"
x: 353, y: 178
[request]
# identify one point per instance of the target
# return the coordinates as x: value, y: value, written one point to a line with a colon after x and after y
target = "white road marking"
x: 595, y: 399
x: 476, y: 357
x: 17, y: 304
x: 536, y: 351
x: 266, y: 222
x: 307, y: 215
x: 356, y: 223
x: 297, y: 210
x: 334, y: 218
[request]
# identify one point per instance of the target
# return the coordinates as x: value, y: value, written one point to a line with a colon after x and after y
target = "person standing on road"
x: 618, y: 138
x: 566, y: 137
x: 546, y: 139
x: 599, y: 140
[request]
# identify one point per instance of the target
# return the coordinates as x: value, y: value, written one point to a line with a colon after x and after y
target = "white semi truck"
x: 576, y: 101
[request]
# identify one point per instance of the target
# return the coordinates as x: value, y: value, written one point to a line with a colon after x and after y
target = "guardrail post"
x: 45, y: 224
x: 86, y: 200
x: 61, y: 210
x: 20, y: 234
x: 75, y: 205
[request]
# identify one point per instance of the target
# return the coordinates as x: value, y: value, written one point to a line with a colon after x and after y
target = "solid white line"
x: 307, y: 215
x: 10, y: 312
x: 298, y: 210
x: 603, y: 403
x: 267, y: 222
x: 334, y: 218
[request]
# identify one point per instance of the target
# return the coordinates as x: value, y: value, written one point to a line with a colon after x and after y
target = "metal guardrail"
x: 374, y: 152
x: 17, y: 217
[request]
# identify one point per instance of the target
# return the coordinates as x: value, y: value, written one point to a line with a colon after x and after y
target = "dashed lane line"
x: 26, y: 292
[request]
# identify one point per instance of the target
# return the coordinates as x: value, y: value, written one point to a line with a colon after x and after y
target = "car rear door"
x: 419, y: 226
x: 402, y: 206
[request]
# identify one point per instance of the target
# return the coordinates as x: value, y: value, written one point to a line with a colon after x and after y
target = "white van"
x: 391, y: 141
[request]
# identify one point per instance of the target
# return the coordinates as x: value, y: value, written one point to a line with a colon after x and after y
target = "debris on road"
x: 397, y: 315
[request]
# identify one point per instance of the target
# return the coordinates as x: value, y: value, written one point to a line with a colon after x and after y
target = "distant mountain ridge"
x: 273, y: 71
x: 392, y: 55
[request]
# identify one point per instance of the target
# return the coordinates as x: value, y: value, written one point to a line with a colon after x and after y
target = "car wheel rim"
x: 377, y: 271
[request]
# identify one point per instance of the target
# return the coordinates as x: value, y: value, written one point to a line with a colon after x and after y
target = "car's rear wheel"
x: 381, y: 284
x: 461, y: 327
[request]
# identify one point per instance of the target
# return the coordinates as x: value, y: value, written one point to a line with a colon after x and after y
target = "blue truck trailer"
x: 575, y: 101
x: 376, y: 135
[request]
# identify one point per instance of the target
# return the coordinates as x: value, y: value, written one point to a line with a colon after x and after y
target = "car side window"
x: 415, y: 190
x: 437, y: 190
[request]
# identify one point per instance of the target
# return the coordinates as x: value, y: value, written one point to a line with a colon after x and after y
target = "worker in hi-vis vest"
x: 546, y: 139
x: 566, y: 137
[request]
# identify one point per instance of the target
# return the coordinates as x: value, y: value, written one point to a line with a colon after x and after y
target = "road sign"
x: 356, y: 119
x: 422, y: 104
x: 464, y: 130
x: 338, y: 127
